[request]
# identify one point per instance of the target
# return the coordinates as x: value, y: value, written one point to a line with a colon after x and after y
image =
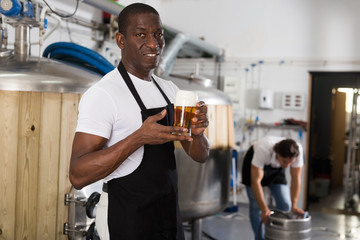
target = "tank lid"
x: 211, y: 96
x: 43, y: 75
x: 199, y: 79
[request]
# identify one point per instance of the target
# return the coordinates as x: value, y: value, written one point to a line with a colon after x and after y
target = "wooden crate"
x: 36, y: 132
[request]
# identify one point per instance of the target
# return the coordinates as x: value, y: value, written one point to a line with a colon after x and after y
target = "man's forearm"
x: 295, y: 185
x: 198, y: 149
x: 295, y: 192
x: 259, y: 196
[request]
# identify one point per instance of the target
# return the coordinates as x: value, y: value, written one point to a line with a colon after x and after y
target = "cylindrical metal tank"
x: 204, y: 188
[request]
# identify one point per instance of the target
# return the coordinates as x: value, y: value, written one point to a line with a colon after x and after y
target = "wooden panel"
x: 231, y: 133
x: 206, y: 132
x: 27, y: 169
x: 220, y: 131
x: 69, y: 112
x: 48, y: 165
x: 212, y: 126
x: 36, y: 133
x: 221, y: 127
x: 9, y: 105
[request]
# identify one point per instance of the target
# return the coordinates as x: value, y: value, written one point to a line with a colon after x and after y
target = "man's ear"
x: 120, y: 40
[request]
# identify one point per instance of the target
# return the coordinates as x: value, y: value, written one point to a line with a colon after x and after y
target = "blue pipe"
x: 77, y: 53
x: 66, y: 53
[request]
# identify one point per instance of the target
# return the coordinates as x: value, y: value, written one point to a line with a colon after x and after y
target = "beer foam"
x: 185, y: 98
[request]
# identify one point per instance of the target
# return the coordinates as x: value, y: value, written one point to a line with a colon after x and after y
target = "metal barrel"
x: 286, y: 225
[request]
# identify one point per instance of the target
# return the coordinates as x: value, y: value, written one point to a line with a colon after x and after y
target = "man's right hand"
x: 265, y: 216
x: 257, y: 175
x: 151, y: 132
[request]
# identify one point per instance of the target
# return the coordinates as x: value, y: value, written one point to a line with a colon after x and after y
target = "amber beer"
x: 184, y: 107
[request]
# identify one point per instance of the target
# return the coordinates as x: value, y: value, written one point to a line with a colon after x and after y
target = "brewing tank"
x: 42, y: 75
x: 204, y: 188
x: 38, y: 113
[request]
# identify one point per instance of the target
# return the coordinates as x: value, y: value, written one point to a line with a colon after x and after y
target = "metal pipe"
x: 106, y: 5
x: 170, y: 53
x: 21, y: 40
x: 201, y: 44
x: 196, y: 229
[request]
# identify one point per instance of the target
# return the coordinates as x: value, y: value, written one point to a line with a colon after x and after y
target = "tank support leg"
x: 196, y: 229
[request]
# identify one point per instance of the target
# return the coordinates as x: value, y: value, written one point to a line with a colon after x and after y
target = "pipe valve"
x: 17, y: 9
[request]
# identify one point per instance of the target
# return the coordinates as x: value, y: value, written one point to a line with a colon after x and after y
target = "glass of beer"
x: 184, y: 107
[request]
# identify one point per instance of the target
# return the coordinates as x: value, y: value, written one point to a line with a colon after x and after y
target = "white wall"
x: 271, y: 28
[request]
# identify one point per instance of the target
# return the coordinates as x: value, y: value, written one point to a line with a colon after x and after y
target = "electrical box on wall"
x: 293, y: 101
x: 266, y: 99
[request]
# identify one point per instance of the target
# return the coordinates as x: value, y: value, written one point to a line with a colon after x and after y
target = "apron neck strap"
x: 130, y: 85
x: 162, y: 92
x: 132, y: 88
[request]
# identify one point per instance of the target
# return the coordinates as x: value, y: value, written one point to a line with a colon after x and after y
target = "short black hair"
x: 287, y: 148
x: 131, y: 10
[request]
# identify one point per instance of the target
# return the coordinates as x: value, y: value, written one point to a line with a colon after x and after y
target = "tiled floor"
x: 328, y: 222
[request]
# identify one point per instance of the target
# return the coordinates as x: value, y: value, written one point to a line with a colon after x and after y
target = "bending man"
x: 264, y: 165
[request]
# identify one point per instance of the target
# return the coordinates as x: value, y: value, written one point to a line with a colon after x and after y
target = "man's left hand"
x: 297, y: 211
x: 200, y: 121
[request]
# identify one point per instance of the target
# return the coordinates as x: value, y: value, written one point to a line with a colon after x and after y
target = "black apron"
x: 271, y: 175
x: 144, y: 204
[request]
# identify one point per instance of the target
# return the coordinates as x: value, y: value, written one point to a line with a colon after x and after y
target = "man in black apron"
x: 264, y: 165
x: 143, y: 203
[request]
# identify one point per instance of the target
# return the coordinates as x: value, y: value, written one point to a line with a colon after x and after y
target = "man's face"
x: 285, y: 162
x: 142, y: 44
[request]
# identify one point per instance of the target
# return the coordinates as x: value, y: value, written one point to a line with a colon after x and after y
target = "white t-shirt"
x: 264, y: 153
x: 108, y: 109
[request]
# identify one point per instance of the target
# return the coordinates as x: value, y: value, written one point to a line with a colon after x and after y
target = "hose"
x: 78, y: 55
x: 45, y: 11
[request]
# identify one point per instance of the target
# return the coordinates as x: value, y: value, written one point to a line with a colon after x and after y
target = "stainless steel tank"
x: 42, y: 75
x: 38, y: 112
x: 204, y: 188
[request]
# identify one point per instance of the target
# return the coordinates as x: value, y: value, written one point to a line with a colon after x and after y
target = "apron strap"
x: 162, y: 92
x: 132, y: 88
x: 130, y: 85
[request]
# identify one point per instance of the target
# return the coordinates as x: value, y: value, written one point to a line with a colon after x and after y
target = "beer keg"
x: 287, y: 225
